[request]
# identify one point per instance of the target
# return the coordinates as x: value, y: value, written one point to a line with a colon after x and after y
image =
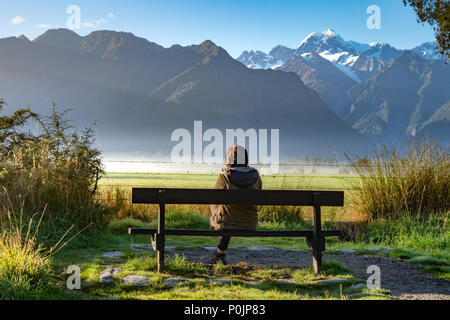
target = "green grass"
x: 423, y: 242
x: 167, y: 180
x: 142, y: 262
x: 138, y: 261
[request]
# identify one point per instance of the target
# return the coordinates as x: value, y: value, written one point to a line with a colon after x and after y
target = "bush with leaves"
x: 57, y: 167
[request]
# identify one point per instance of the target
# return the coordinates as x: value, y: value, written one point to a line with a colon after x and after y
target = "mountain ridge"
x: 140, y: 92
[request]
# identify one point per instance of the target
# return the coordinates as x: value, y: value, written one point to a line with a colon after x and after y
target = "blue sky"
x: 234, y: 25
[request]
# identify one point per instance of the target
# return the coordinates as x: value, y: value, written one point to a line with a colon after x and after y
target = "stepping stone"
x: 107, y: 275
x: 259, y: 249
x: 172, y: 282
x: 112, y: 254
x: 295, y: 250
x: 220, y: 281
x: 387, y: 251
x: 108, y: 265
x: 284, y: 281
x: 142, y: 246
x: 210, y: 248
x: 139, y: 281
x: 358, y: 286
x: 336, y: 280
x: 346, y: 251
x: 254, y: 283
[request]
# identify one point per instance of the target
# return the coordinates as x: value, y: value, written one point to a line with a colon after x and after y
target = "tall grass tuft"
x: 25, y: 270
x: 57, y: 167
x: 415, y: 181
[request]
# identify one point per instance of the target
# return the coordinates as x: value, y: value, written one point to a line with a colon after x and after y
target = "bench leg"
x: 160, y: 254
x: 317, y: 258
x: 160, y: 239
x: 317, y: 245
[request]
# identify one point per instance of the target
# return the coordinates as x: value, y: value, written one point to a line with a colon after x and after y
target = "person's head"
x: 236, y: 156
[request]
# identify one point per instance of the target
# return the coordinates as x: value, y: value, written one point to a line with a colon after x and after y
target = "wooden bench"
x: 162, y: 196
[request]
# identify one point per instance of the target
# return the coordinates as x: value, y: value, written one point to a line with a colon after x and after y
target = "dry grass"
x: 416, y: 181
x: 24, y: 260
x: 119, y: 199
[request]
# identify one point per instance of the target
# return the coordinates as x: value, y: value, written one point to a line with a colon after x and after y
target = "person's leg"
x: 224, y: 241
x: 222, y: 247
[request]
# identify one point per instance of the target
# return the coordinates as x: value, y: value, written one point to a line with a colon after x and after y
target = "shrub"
x: 56, y: 167
x: 415, y: 181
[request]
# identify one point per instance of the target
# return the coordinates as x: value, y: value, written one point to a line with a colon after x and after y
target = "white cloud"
x: 96, y: 23
x: 101, y: 21
x: 17, y: 20
x: 111, y: 15
x: 43, y: 26
x: 88, y: 24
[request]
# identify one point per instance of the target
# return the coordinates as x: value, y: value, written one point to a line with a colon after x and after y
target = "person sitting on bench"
x: 236, y: 175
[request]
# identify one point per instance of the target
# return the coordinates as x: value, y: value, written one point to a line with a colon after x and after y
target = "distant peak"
x: 58, y: 32
x: 325, y: 35
x: 208, y: 47
x: 330, y: 33
x: 208, y: 44
x: 23, y: 37
x: 61, y: 38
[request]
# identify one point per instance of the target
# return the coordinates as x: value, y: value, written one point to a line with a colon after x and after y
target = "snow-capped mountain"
x: 358, y: 61
x: 260, y: 60
x: 428, y: 51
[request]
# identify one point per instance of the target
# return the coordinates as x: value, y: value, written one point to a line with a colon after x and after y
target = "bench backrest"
x: 237, y: 197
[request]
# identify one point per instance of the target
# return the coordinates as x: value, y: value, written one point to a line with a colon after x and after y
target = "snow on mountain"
x: 358, y: 61
x: 258, y: 60
x: 428, y: 51
x: 261, y: 60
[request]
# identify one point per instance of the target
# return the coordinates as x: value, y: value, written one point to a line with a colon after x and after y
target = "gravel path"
x: 400, y: 277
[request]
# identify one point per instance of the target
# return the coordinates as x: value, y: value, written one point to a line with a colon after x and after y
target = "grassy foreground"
x: 316, y: 182
x: 87, y: 249
x: 299, y: 283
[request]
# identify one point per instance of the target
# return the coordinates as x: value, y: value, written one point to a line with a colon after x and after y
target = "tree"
x: 437, y: 14
x: 10, y: 125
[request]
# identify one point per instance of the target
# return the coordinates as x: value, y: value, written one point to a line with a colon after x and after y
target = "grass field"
x: 316, y: 182
x: 424, y: 243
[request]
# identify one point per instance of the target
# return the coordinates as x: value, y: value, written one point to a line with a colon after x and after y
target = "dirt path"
x: 400, y: 277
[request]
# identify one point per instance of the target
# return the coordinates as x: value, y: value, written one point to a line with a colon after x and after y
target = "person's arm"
x: 220, y: 183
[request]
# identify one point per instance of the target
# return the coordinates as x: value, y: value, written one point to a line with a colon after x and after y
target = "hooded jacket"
x: 238, y: 217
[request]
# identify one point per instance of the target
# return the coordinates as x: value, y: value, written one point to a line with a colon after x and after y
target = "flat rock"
x: 388, y: 251
x: 220, y: 281
x: 336, y: 280
x: 358, y: 286
x: 346, y: 251
x: 107, y: 275
x: 142, y: 246
x: 210, y: 248
x: 254, y: 283
x: 172, y: 282
x: 294, y: 250
x: 112, y: 254
x: 109, y: 265
x: 258, y: 248
x: 284, y: 281
x: 139, y: 281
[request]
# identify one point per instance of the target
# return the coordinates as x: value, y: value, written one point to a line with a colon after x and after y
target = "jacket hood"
x: 243, y: 177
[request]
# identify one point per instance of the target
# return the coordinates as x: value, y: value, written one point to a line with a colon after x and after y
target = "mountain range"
x: 138, y: 92
x: 382, y: 92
